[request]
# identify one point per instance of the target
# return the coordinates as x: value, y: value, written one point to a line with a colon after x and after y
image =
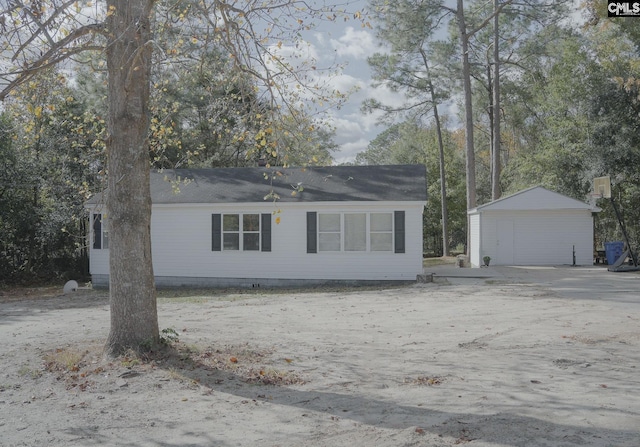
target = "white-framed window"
x: 251, y: 232
x: 100, y: 232
x: 231, y: 232
x: 355, y: 232
x: 381, y: 231
x: 241, y: 232
x: 329, y: 232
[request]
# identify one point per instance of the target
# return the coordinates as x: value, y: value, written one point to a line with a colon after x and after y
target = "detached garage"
x: 532, y: 227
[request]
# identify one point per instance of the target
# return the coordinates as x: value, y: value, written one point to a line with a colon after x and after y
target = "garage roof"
x: 536, y: 198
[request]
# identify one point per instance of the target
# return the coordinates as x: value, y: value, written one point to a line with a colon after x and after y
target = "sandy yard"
x: 509, y: 357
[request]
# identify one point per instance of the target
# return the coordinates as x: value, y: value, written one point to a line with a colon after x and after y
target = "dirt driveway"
x: 483, y: 357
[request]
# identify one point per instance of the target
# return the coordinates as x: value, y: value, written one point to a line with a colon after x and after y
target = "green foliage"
x: 168, y: 336
x: 570, y: 108
x: 574, y: 115
x: 211, y: 108
x: 206, y: 111
x: 50, y: 164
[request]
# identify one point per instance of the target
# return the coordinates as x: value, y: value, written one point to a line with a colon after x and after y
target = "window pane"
x: 251, y: 241
x: 355, y: 232
x: 105, y: 233
x: 329, y: 222
x: 381, y: 221
x: 97, y: 231
x: 381, y: 242
x: 231, y: 241
x: 329, y: 241
x: 251, y: 222
x: 231, y: 222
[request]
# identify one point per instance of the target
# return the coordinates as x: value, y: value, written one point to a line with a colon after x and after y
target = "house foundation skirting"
x: 165, y: 282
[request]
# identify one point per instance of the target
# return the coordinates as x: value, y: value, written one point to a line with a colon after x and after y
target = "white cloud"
x: 346, y: 83
x: 304, y: 53
x: 348, y: 128
x: 353, y: 132
x: 348, y: 151
x: 320, y: 38
x: 358, y: 44
x: 353, y: 129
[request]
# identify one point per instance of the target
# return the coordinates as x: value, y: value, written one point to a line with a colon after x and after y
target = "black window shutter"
x: 398, y: 221
x: 216, y: 232
x: 265, y: 229
x: 97, y: 231
x: 312, y: 232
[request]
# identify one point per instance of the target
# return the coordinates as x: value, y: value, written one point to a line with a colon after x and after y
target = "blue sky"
x: 354, y: 129
x: 349, y: 43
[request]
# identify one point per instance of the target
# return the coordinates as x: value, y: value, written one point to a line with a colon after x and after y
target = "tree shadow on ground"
x: 278, y: 388
x: 15, y: 307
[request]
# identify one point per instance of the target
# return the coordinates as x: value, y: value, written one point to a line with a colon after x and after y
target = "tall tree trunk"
x: 468, y: 111
x: 134, y: 317
x: 443, y: 183
x: 496, y: 168
x: 490, y: 112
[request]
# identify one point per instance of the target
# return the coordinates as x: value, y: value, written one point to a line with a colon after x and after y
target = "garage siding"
x: 539, y: 237
x: 474, y: 234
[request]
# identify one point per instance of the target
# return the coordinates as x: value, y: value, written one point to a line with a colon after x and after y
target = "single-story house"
x: 532, y: 227
x: 277, y: 227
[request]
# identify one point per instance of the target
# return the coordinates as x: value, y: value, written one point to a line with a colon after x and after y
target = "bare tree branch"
x: 60, y: 51
x: 43, y: 27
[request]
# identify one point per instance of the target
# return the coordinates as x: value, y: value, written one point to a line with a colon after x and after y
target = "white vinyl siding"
x: 182, y: 245
x: 99, y: 257
x: 476, y: 249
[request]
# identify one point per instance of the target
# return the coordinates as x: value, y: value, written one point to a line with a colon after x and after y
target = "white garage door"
x: 549, y: 238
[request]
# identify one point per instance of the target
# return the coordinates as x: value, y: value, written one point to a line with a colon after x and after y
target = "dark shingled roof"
x: 294, y: 184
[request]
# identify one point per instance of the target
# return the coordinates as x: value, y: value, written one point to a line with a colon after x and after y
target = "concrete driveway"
x: 577, y: 282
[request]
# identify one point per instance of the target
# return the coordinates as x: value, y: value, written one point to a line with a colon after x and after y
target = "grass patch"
x: 424, y: 380
x: 86, y: 368
x: 442, y: 260
x: 130, y: 359
x: 27, y: 371
x: 4, y: 387
x: 64, y: 360
x: 250, y: 364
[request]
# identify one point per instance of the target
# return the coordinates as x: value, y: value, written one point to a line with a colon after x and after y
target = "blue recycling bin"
x: 613, y: 250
